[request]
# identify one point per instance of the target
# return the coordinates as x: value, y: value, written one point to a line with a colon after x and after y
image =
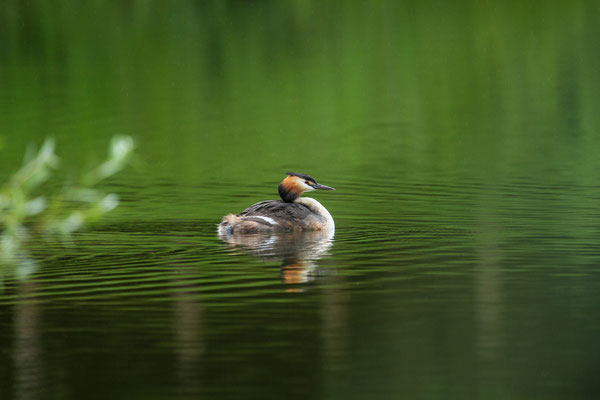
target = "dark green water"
x: 463, y: 141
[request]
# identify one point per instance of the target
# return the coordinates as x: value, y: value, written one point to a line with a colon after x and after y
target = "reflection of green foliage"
x: 439, y: 83
x: 25, y: 212
x: 231, y: 91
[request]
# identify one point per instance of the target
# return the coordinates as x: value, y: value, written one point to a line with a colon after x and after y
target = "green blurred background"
x: 221, y: 88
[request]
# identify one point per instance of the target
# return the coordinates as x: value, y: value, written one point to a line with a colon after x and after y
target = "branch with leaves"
x: 24, y: 212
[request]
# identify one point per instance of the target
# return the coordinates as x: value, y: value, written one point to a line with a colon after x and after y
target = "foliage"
x: 28, y: 207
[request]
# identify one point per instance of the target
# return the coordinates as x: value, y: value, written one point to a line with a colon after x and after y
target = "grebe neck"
x: 288, y: 194
x: 318, y: 209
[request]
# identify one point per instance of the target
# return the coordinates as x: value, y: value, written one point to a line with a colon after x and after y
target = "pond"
x: 463, y: 144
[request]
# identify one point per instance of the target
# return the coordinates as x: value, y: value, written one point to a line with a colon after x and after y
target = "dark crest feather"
x: 302, y: 176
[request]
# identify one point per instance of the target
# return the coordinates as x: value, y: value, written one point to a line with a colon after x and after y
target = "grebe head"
x: 295, y: 184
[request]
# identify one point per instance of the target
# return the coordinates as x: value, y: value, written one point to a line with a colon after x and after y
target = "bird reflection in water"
x: 296, y: 251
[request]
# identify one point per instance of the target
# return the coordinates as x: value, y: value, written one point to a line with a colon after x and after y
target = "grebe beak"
x: 321, y: 187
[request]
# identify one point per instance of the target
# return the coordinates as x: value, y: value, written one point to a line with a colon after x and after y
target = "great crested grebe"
x: 291, y: 213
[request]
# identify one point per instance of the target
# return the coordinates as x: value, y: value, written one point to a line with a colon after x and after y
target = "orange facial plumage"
x: 290, y: 188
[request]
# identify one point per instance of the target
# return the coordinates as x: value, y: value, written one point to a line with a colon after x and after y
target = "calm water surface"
x: 463, y: 144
